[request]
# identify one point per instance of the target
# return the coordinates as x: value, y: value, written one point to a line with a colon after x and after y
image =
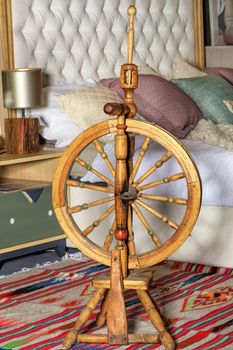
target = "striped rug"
x: 38, y: 307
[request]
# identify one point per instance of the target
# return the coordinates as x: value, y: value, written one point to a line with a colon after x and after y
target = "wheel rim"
x: 175, y: 148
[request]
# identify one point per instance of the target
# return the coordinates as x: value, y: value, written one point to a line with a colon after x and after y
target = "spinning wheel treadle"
x: 127, y: 194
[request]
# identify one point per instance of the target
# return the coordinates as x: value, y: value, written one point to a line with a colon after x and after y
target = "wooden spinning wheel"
x: 126, y: 194
x: 134, y: 195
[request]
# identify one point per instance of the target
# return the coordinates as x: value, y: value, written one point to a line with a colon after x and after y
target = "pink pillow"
x: 226, y: 73
x: 162, y: 102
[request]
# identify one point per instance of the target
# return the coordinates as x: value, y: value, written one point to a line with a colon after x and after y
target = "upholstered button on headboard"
x: 75, y: 40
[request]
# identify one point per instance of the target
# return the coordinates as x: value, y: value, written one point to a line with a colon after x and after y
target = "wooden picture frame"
x: 218, y: 27
x: 216, y: 35
x: 217, y: 21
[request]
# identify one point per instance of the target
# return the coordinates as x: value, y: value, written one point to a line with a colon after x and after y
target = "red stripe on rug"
x: 192, y: 340
x: 197, y: 324
x: 218, y: 342
x: 47, y: 291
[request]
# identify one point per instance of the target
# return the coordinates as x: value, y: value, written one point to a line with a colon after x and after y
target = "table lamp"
x: 22, y: 89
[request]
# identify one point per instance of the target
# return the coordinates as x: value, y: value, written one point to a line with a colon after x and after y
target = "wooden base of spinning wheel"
x: 111, y: 287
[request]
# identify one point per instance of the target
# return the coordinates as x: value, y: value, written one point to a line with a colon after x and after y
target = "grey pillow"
x: 208, y: 93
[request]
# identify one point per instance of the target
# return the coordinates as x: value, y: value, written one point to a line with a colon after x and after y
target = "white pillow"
x: 56, y: 125
x: 85, y: 107
x: 59, y: 128
x: 50, y: 91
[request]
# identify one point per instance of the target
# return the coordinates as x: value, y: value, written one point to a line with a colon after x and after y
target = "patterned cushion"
x: 85, y: 106
x: 163, y: 103
x: 182, y: 69
x: 146, y: 69
x: 209, y: 93
x: 229, y: 104
x: 220, y: 135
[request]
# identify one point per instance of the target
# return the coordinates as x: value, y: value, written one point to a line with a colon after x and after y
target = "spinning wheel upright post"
x: 128, y: 195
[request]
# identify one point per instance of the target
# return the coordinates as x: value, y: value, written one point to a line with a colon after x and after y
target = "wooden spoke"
x: 89, y: 186
x: 142, y: 218
x: 130, y: 243
x: 157, y: 165
x: 85, y: 206
x: 142, y: 152
x: 178, y: 201
x: 87, y: 166
x: 96, y: 223
x: 104, y: 155
x: 154, y: 212
x: 109, y: 237
x: 166, y: 180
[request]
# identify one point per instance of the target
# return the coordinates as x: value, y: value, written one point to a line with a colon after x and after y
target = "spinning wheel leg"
x: 156, y: 319
x: 101, y: 318
x: 116, y: 313
x: 116, y: 275
x: 71, y: 336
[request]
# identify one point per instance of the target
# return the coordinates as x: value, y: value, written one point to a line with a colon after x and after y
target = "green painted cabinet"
x: 27, y: 226
x: 23, y: 222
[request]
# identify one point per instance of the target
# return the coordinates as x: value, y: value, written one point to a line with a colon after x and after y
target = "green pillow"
x: 208, y: 93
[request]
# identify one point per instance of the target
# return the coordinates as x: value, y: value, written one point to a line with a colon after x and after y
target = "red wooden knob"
x: 121, y: 234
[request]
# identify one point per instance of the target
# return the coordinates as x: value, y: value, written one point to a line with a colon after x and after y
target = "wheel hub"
x: 129, y: 195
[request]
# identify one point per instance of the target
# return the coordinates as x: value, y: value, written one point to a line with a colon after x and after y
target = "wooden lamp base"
x: 21, y: 135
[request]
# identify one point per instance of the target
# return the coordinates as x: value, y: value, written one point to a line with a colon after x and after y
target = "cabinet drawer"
x: 22, y: 221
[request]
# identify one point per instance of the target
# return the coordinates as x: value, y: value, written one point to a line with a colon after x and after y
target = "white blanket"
x: 215, y: 166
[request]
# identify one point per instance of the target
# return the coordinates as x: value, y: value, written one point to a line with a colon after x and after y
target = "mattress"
x: 215, y: 166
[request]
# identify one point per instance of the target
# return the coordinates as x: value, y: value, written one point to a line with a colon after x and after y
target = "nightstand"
x: 28, y: 223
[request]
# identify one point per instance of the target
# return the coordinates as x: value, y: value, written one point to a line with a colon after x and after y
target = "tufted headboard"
x: 74, y: 40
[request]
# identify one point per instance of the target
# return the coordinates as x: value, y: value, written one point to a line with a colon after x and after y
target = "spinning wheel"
x: 134, y: 194
x: 126, y: 194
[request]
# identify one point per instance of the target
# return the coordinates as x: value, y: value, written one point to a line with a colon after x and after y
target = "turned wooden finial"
x: 132, y: 13
x: 128, y: 76
x: 129, y: 72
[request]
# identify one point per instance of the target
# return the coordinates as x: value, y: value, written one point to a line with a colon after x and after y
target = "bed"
x: 80, y: 43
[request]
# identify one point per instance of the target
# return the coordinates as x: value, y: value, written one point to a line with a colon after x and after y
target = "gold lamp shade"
x: 22, y: 88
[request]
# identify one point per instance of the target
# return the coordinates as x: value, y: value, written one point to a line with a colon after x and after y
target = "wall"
x: 219, y: 56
